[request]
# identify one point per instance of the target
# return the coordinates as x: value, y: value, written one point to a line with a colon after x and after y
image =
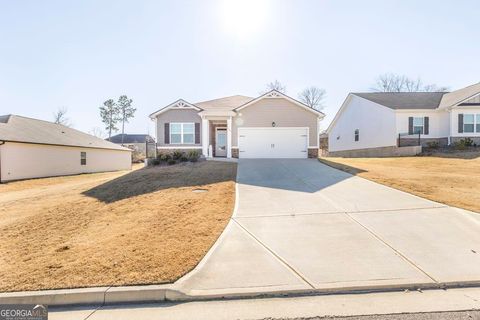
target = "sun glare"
x: 243, y: 18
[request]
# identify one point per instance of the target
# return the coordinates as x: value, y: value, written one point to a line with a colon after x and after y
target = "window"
x: 357, y: 135
x: 182, y: 133
x: 468, y: 123
x: 478, y: 123
x: 83, y: 158
x: 418, y: 126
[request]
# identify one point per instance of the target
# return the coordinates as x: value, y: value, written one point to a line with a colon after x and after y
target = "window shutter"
x: 197, y: 133
x: 167, y: 133
x: 410, y: 125
x: 426, y: 125
x: 460, y: 123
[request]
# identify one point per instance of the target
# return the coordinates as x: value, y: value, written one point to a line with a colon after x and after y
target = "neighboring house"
x: 375, y: 120
x: 135, y: 142
x: 273, y: 125
x: 31, y: 148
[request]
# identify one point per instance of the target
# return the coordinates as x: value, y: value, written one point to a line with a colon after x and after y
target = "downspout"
x: 1, y: 144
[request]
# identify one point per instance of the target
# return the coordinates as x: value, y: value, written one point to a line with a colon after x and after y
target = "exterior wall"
x: 391, y: 151
x: 476, y: 139
x: 376, y: 126
x: 442, y: 142
x: 438, y: 122
x: 187, y: 115
x: 454, y: 121
x: 235, y: 153
x: 25, y: 161
x: 313, y: 152
x: 281, y: 111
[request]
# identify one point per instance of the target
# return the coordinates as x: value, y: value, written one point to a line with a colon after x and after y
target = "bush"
x: 463, y: 143
x: 177, y: 155
x: 155, y: 162
x: 171, y: 162
x: 433, y: 145
x: 164, y: 156
x: 193, y: 155
x: 184, y: 158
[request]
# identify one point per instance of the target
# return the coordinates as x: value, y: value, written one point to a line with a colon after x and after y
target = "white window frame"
x: 423, y: 125
x: 83, y: 156
x: 181, y: 132
x: 477, y: 123
x: 472, y: 123
x: 356, y: 135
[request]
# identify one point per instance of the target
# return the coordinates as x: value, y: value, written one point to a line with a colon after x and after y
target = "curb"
x: 101, y: 296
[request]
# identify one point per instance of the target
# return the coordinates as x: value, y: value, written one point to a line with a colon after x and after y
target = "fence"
x: 408, y: 140
x: 150, y: 149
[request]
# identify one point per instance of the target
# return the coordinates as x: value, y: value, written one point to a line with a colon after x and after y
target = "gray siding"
x: 187, y: 115
x: 281, y: 111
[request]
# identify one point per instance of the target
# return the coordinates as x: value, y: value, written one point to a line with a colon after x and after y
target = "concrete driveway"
x: 300, y: 225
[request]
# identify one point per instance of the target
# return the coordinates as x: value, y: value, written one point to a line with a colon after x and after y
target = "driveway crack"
x: 391, y: 247
x: 282, y: 261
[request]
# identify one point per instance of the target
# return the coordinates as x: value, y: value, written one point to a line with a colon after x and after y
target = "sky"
x: 78, y: 53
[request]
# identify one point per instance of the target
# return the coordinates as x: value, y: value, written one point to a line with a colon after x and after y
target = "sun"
x: 243, y: 18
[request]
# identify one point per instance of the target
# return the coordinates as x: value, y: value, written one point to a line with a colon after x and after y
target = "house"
x: 135, y: 142
x: 376, y: 123
x: 31, y: 148
x: 272, y: 125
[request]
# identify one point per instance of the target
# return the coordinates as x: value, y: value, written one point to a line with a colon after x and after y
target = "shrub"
x: 193, y: 155
x: 184, y: 158
x: 171, y: 162
x: 433, y: 145
x: 463, y: 143
x: 156, y: 162
x: 177, y: 155
x: 165, y: 156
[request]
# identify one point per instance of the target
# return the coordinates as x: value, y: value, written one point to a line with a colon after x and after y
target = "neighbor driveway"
x: 301, y: 225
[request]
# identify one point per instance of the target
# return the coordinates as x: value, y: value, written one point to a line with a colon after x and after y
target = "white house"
x: 371, y: 122
x: 31, y: 148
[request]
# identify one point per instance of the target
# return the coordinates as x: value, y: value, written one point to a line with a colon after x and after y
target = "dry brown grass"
x: 137, y: 227
x: 453, y: 179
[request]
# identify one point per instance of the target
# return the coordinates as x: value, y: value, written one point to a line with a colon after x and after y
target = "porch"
x: 216, y: 135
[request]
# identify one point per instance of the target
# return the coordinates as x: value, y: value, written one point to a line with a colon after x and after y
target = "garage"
x: 285, y: 142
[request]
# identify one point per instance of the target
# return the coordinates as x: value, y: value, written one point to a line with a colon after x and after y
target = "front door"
x: 221, y: 142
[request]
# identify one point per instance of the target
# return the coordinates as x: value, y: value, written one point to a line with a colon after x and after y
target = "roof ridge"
x: 235, y: 95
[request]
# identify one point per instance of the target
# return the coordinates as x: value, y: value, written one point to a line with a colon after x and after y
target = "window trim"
x: 181, y: 132
x: 357, y: 135
x: 83, y: 158
x: 477, y: 123
x: 423, y: 125
x: 470, y: 123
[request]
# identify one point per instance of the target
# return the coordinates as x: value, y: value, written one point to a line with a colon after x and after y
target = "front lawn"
x: 450, y: 178
x: 145, y: 226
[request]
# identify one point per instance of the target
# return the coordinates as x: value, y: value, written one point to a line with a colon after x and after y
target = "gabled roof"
x: 276, y: 94
x: 404, y: 100
x: 456, y: 97
x: 15, y: 128
x: 179, y: 104
x: 131, y: 138
x: 229, y: 103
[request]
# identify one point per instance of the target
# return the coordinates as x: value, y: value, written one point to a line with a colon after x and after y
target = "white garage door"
x: 273, y: 142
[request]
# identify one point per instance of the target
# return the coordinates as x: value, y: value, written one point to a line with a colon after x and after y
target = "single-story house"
x: 135, y: 142
x: 31, y: 148
x: 382, y: 120
x: 272, y: 125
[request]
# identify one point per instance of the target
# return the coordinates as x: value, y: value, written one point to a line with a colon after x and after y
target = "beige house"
x: 272, y: 125
x: 31, y: 148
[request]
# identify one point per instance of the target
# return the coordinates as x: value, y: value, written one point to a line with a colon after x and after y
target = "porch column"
x: 229, y: 137
x: 205, y: 136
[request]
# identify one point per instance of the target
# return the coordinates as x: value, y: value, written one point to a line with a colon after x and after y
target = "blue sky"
x: 77, y: 54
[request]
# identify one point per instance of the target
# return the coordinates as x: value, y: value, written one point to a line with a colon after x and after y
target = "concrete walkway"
x: 300, y: 225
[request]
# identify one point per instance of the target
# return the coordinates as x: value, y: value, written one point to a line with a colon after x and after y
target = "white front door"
x: 273, y: 142
x: 221, y: 142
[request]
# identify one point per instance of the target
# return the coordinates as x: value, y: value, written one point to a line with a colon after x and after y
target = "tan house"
x: 31, y: 148
x: 272, y: 125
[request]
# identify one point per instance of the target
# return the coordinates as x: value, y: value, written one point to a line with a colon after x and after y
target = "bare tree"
x: 60, y: 117
x: 276, y: 85
x: 390, y: 82
x: 313, y: 97
x: 110, y: 115
x: 98, y: 132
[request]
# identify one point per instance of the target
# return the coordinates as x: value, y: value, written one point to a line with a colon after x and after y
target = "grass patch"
x: 136, y: 227
x: 449, y: 178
